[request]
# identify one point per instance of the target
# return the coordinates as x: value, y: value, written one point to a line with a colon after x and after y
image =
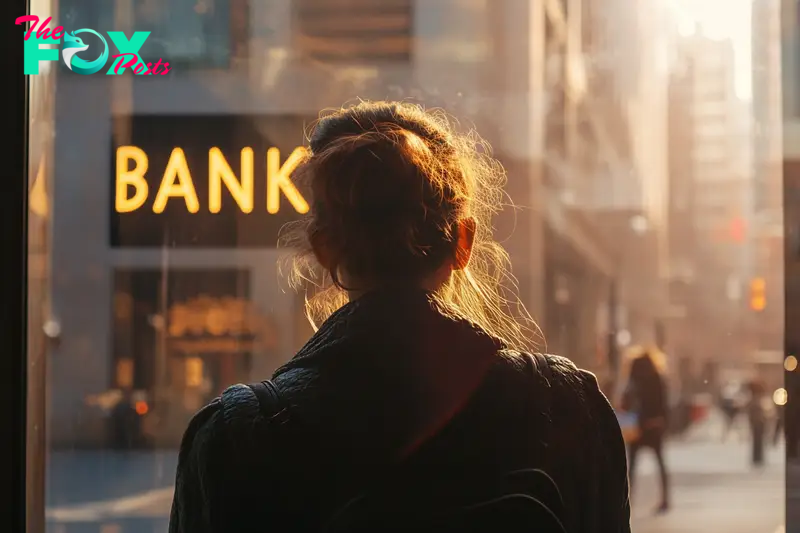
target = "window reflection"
x: 333, y: 32
x: 183, y: 336
x: 646, y: 183
x: 192, y: 33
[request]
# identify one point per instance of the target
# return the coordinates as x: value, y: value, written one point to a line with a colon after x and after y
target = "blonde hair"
x: 389, y: 183
x: 657, y: 357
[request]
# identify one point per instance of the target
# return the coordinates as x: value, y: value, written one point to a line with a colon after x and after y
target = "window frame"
x: 13, y: 322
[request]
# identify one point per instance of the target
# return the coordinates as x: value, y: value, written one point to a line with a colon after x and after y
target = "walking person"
x: 418, y: 404
x: 791, y: 414
x: 731, y: 405
x: 645, y: 397
x: 778, y: 428
x: 757, y: 417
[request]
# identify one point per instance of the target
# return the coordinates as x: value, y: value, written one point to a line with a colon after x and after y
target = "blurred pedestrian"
x: 757, y: 417
x: 646, y: 397
x: 126, y: 424
x: 780, y: 417
x: 791, y: 417
x: 731, y: 405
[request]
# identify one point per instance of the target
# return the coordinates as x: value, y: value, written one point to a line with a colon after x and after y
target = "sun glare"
x: 721, y: 20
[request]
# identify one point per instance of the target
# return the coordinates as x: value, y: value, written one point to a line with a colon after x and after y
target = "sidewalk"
x: 714, y: 488
x: 793, y: 498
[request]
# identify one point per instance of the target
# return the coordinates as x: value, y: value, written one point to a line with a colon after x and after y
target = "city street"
x: 714, y: 489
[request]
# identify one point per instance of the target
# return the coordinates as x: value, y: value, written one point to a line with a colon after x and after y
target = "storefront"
x: 194, y: 206
x: 576, y: 305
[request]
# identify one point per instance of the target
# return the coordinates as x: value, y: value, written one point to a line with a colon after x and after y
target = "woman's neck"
x: 430, y: 284
x: 355, y: 294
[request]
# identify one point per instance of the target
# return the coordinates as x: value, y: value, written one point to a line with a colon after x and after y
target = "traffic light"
x: 758, y: 296
x: 737, y: 230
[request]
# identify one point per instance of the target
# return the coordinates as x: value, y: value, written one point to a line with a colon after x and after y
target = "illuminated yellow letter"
x: 130, y: 177
x: 279, y: 178
x: 219, y: 171
x: 176, y: 168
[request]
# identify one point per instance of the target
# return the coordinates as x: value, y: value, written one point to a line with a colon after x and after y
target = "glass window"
x: 353, y: 32
x: 195, y: 33
x: 156, y: 204
x: 210, y: 34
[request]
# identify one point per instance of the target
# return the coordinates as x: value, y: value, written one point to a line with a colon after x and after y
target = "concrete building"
x: 595, y: 175
x: 626, y: 109
x: 577, y: 266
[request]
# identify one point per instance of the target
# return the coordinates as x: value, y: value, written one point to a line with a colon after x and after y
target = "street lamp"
x: 639, y: 224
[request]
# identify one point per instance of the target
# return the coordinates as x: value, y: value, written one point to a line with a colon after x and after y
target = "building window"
x: 181, y: 336
x: 354, y: 31
x: 194, y: 33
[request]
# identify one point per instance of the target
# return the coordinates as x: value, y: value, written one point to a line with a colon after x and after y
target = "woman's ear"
x: 466, y: 239
x: 317, y: 243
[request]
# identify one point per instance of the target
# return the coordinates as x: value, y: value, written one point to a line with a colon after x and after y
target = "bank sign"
x: 73, y: 43
x: 212, y: 181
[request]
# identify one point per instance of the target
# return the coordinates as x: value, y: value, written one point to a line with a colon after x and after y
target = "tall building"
x: 718, y: 168
x: 597, y: 174
x: 709, y: 200
x: 683, y: 238
x: 767, y: 225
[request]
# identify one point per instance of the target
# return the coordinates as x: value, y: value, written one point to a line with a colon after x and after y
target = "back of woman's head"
x: 646, y: 364
x: 390, y: 185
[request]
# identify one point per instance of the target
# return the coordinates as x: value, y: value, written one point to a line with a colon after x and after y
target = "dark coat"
x: 391, y: 376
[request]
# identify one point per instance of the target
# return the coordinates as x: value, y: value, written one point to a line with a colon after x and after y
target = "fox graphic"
x: 74, y: 44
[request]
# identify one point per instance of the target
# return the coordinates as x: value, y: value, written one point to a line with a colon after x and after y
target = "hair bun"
x: 376, y: 118
x: 390, y: 183
x: 373, y: 194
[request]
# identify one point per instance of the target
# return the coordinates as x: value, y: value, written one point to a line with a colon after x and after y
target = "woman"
x: 414, y: 361
x: 646, y: 397
x: 757, y: 417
